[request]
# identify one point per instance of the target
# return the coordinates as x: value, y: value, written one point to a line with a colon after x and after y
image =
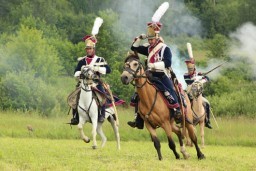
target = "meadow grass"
x: 49, y: 154
x: 54, y: 145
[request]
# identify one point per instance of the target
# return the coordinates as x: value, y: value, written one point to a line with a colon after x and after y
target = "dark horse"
x: 154, y: 111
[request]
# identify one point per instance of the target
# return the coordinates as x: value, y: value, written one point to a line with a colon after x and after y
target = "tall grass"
x: 232, y: 131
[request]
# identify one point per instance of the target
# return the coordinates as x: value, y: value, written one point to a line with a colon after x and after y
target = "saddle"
x: 101, y: 98
x: 73, y: 97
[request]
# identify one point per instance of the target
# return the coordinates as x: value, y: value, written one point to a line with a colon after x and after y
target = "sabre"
x: 214, y: 119
x: 113, y: 102
x: 204, y: 74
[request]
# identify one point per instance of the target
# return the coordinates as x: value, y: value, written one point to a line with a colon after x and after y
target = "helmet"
x: 153, y: 30
x: 90, y: 41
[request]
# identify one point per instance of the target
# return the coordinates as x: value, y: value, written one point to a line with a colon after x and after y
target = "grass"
x: 47, y: 154
x: 53, y: 145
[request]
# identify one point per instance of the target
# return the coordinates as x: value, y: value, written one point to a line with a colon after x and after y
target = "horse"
x: 88, y: 111
x: 154, y: 111
x: 195, y: 93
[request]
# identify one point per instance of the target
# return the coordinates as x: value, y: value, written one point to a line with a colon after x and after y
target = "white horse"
x: 195, y: 93
x: 88, y: 111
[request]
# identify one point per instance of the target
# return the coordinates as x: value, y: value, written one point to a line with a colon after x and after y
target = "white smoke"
x: 135, y: 14
x: 244, y: 44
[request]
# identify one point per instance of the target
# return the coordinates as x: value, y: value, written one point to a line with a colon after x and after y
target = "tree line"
x: 41, y: 40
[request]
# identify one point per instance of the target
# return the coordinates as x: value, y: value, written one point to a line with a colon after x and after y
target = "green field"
x: 53, y: 145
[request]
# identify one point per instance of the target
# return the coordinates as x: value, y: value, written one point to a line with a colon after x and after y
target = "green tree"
x: 28, y: 51
x: 218, y: 47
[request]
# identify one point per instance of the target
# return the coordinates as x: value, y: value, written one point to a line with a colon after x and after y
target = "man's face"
x: 191, y: 68
x: 89, y: 51
x: 152, y: 41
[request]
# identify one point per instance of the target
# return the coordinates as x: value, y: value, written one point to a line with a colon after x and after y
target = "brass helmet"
x: 90, y: 41
x: 153, y: 30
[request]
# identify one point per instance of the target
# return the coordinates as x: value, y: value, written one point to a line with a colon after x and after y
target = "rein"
x: 136, y: 76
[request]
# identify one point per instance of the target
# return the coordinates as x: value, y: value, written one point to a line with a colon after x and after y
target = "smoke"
x: 177, y: 20
x: 244, y: 44
x: 135, y: 14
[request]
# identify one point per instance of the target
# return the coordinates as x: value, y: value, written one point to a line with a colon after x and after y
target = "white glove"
x: 95, y: 68
x: 151, y: 65
x: 143, y: 36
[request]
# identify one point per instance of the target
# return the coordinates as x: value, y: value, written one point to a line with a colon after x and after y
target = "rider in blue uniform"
x: 159, y: 61
x: 189, y: 78
x: 98, y: 64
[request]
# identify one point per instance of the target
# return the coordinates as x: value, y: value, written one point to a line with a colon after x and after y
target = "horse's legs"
x: 94, y: 132
x: 188, y: 140
x: 83, y: 136
x: 193, y: 138
x: 168, y: 130
x: 155, y: 140
x: 115, y: 128
x: 177, y: 131
x: 202, y: 133
x: 102, y: 135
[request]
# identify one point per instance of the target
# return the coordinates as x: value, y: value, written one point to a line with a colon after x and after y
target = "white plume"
x: 97, y: 23
x: 190, y: 52
x: 160, y: 12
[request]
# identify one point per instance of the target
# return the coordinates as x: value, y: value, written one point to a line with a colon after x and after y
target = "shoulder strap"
x: 93, y: 60
x: 162, y: 51
x: 156, y: 49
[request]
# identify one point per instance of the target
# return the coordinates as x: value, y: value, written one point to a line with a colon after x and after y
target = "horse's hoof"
x: 94, y: 147
x: 87, y: 141
x: 186, y: 156
x: 201, y: 157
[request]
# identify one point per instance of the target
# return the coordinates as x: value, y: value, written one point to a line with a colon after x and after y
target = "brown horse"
x: 195, y: 92
x: 154, y: 111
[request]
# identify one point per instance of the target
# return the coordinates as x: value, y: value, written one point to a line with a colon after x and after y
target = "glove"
x: 151, y: 65
x: 95, y: 68
x: 142, y: 36
x: 200, y: 74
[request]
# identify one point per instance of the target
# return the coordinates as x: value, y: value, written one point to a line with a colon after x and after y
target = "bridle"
x: 136, y: 74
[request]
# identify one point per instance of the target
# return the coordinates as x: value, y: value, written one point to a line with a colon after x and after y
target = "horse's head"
x: 132, y: 67
x: 196, y: 89
x: 88, y: 75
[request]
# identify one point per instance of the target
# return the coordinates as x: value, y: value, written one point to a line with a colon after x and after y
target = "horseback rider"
x: 159, y: 60
x: 190, y: 77
x: 98, y: 65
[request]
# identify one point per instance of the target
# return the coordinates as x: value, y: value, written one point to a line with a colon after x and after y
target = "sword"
x: 113, y: 102
x: 204, y: 74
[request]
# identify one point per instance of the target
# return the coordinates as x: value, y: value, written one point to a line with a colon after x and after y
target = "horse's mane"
x: 132, y: 55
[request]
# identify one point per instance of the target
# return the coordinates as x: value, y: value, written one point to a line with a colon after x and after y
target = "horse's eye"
x: 135, y: 64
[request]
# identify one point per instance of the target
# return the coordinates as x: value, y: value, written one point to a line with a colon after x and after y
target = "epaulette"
x: 80, y: 58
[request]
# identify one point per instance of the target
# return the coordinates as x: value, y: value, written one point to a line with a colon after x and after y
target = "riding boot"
x: 75, y: 119
x: 101, y: 116
x: 207, y: 118
x: 177, y: 112
x: 138, y: 122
